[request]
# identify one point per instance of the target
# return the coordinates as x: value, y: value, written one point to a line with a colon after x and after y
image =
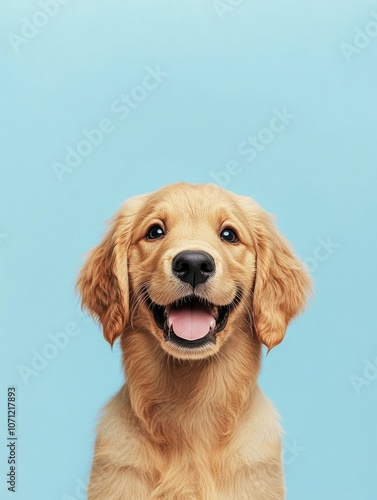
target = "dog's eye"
x: 229, y: 235
x: 155, y: 232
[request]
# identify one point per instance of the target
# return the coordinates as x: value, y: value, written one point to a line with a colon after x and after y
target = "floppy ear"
x: 103, y: 280
x: 281, y: 286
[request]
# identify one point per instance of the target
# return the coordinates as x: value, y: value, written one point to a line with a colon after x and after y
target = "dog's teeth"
x: 212, y: 324
x: 170, y: 322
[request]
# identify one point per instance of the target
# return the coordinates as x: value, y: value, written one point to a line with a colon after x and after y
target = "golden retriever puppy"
x: 193, y: 279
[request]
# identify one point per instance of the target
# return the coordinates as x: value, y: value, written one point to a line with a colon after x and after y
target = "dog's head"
x: 193, y: 265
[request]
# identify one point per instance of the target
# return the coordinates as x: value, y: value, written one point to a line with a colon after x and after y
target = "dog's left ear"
x: 282, y: 286
x: 103, y: 280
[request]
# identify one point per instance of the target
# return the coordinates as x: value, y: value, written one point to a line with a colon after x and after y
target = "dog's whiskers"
x: 140, y: 297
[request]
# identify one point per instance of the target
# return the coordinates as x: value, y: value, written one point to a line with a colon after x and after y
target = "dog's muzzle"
x: 191, y: 321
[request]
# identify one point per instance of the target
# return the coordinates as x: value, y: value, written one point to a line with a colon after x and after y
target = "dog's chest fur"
x: 185, y: 428
x: 174, y: 466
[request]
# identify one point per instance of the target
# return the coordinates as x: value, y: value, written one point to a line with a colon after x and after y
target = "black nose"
x: 193, y: 267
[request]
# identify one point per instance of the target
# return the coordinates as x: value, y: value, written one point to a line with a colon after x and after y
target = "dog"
x: 193, y: 279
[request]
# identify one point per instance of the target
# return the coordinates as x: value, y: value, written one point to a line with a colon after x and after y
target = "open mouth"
x: 191, y: 321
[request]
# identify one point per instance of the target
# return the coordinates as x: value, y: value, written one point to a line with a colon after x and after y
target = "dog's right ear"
x: 103, y: 280
x: 282, y: 286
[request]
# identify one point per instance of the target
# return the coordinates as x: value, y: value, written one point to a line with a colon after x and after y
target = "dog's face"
x: 194, y: 265
x: 188, y: 258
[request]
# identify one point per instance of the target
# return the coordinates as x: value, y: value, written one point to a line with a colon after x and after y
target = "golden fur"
x: 191, y: 424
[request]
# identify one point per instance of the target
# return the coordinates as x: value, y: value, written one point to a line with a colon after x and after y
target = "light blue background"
x: 318, y: 175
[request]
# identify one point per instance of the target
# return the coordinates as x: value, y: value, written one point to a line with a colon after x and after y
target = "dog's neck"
x: 211, y: 394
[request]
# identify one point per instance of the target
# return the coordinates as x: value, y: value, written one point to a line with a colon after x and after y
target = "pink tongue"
x: 190, y: 323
